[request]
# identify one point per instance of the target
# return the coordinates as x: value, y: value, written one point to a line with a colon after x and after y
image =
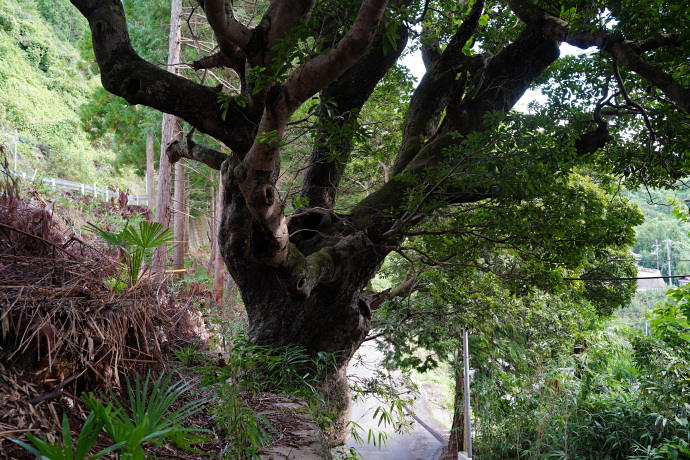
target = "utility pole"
x: 180, y: 216
x: 655, y: 246
x: 218, y: 265
x: 668, y: 257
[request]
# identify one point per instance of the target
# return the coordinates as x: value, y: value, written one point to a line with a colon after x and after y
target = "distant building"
x: 683, y: 281
x: 654, y: 280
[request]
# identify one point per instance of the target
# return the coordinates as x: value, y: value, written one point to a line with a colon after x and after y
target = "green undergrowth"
x: 157, y: 411
x: 251, y: 370
x: 624, y: 397
x: 150, y: 418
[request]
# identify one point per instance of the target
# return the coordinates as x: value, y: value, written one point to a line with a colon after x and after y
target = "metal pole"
x: 466, y: 378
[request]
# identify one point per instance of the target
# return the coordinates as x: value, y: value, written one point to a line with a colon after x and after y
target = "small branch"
x: 214, y: 60
x: 642, y: 111
x: 424, y: 11
x: 57, y: 391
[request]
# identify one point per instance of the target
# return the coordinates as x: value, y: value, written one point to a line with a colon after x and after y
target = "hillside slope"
x: 659, y: 226
x: 43, y: 83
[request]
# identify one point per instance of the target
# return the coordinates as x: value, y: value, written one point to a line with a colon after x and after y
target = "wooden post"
x: 171, y: 127
x: 150, y: 171
x: 179, y: 217
x: 187, y: 212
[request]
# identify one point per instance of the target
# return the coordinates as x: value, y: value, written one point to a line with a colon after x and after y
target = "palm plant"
x: 69, y: 450
x: 148, y: 421
x: 133, y: 244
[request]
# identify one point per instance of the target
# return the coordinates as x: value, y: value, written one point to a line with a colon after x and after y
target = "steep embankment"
x: 43, y: 82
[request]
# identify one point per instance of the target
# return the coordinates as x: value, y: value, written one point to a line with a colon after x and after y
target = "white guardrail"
x: 84, y: 189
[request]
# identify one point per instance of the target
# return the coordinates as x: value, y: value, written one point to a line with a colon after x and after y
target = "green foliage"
x: 133, y: 244
x: 634, y: 316
x: 624, y: 397
x: 252, y: 369
x: 70, y: 450
x: 497, y: 269
x: 151, y: 418
x: 670, y: 320
x: 67, y: 23
x: 244, y: 426
x: 188, y: 355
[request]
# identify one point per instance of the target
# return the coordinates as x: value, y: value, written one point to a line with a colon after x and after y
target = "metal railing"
x: 84, y: 189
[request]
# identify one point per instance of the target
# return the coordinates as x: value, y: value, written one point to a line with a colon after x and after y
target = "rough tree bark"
x: 172, y: 125
x: 302, y: 276
x: 456, y: 440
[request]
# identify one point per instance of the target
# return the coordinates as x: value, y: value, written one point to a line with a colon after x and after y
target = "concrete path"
x: 426, y: 438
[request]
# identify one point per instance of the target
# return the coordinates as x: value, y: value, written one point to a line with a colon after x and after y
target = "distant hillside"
x: 43, y: 83
x: 660, y: 225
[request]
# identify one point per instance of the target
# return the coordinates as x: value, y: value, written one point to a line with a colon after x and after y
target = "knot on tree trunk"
x: 264, y: 194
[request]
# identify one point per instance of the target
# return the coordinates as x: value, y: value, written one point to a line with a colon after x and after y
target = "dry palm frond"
x: 59, y: 320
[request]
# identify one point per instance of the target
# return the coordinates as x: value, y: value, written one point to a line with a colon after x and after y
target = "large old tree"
x: 622, y: 109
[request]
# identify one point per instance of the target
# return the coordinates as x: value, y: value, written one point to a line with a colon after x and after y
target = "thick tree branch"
x: 652, y: 43
x: 318, y: 72
x: 348, y: 94
x: 125, y: 74
x: 505, y: 78
x: 625, y: 51
x: 369, y: 214
x: 257, y: 173
x: 654, y: 75
x: 193, y: 151
x: 279, y: 21
x: 436, y: 89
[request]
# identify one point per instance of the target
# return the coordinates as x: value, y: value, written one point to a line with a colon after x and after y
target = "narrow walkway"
x: 424, y: 440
